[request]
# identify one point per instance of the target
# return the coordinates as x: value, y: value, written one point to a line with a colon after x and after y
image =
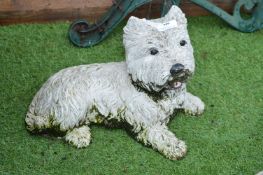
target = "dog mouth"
x: 177, y: 81
x: 175, y: 84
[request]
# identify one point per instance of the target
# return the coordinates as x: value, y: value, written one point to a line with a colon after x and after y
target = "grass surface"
x: 227, y: 139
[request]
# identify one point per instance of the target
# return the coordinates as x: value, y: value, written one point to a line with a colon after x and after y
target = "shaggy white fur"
x: 143, y: 91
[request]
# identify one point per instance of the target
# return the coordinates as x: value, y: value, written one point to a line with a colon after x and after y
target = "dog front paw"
x: 194, y: 105
x: 175, y: 149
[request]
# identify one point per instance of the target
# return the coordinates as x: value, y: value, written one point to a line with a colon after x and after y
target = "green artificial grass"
x: 226, y: 139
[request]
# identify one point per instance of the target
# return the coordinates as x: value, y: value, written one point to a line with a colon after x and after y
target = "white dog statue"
x: 143, y: 91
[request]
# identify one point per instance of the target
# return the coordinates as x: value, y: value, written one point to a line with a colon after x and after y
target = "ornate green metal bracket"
x: 82, y: 34
x: 244, y: 25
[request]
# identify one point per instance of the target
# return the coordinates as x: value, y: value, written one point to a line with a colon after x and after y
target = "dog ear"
x: 135, y: 26
x: 134, y: 29
x: 175, y: 13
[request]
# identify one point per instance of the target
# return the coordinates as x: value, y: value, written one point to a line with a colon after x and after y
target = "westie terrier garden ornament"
x: 142, y: 91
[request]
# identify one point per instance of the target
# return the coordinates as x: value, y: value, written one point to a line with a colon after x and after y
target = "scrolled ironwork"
x: 255, y: 22
x: 82, y: 34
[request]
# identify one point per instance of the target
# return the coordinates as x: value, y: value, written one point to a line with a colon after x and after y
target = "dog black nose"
x: 176, y: 69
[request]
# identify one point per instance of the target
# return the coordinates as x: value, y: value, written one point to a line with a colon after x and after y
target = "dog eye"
x: 182, y: 42
x: 154, y: 51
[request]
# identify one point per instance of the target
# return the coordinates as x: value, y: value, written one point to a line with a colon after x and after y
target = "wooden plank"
x: 192, y: 9
x: 13, y: 11
x: 27, y: 11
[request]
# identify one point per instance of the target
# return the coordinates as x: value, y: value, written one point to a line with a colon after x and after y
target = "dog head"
x: 159, y: 54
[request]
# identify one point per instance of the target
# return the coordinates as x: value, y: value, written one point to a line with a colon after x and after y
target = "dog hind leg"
x: 37, y: 123
x: 79, y: 137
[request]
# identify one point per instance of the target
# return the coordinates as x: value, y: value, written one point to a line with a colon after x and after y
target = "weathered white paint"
x: 137, y: 91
